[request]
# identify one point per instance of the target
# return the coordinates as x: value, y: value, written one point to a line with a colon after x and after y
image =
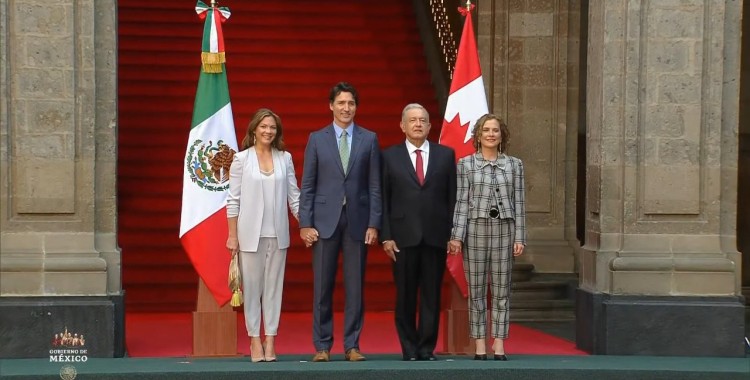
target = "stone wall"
x: 58, y: 146
x: 524, y: 52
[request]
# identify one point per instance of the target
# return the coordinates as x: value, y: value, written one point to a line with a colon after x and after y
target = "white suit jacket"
x: 245, y: 198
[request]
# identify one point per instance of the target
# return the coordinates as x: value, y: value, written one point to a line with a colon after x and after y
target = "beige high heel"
x: 269, y: 357
x: 254, y: 342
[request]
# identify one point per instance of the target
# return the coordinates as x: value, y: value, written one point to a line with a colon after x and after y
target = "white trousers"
x: 263, y: 284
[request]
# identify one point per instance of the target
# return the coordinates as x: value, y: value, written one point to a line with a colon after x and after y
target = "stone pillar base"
x: 660, y: 325
x: 28, y: 326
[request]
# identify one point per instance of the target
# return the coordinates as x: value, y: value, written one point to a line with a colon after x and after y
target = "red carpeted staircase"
x: 284, y: 55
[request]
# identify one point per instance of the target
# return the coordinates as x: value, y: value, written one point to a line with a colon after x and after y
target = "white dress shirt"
x: 349, y: 133
x: 413, y: 155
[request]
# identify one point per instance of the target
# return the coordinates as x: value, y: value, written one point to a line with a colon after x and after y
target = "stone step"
x: 553, y: 304
x: 522, y: 315
x: 544, y: 297
x: 522, y: 272
x: 539, y: 290
x: 542, y: 310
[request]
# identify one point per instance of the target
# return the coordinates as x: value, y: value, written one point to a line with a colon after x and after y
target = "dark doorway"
x: 743, y: 166
x: 581, y: 175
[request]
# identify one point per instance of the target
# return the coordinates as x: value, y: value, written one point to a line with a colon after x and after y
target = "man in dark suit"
x: 340, y: 210
x: 419, y: 193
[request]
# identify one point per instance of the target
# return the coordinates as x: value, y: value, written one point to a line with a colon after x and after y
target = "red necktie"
x: 420, y: 167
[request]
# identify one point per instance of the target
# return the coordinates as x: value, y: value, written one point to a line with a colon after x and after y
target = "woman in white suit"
x: 261, y: 184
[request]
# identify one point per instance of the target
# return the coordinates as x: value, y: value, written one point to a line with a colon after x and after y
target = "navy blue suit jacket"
x: 324, y: 184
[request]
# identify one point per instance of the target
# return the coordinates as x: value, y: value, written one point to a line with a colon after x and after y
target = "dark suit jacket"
x: 412, y: 212
x: 324, y: 184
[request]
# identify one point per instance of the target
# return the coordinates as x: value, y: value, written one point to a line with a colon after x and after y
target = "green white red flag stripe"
x: 211, y: 143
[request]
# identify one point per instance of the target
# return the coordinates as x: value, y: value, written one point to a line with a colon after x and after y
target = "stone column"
x: 660, y: 273
x: 524, y: 51
x: 59, y: 260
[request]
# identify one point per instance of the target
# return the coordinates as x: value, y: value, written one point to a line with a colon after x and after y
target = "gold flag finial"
x: 468, y: 5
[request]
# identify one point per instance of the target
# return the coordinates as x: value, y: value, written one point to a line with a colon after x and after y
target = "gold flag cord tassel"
x: 212, y: 61
x: 235, y: 281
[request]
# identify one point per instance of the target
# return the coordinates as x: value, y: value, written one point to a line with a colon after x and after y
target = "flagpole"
x: 492, y: 48
x: 201, y: 226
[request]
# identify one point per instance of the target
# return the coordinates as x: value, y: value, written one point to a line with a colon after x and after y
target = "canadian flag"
x: 467, y: 102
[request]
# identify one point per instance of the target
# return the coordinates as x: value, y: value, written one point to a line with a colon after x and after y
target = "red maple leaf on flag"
x: 453, y: 134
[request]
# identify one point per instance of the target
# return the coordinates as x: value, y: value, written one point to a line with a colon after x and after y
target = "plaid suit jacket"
x: 475, y: 196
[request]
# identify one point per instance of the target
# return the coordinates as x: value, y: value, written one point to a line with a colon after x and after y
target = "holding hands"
x: 309, y: 235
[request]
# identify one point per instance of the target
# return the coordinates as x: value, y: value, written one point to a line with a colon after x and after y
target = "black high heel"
x: 480, y: 357
x: 501, y: 357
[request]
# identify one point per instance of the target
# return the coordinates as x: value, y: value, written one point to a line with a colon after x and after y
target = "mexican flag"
x: 467, y: 102
x: 210, y: 148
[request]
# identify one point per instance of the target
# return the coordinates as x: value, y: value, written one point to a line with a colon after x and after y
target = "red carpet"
x: 170, y: 335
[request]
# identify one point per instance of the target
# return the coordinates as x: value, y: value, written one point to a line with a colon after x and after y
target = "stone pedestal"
x: 29, y: 326
x: 659, y: 271
x: 660, y: 325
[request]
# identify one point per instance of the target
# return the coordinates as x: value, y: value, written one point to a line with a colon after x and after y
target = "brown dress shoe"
x: 321, y: 356
x: 353, y: 355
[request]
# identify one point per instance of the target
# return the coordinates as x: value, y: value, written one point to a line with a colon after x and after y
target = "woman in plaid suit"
x: 489, y: 226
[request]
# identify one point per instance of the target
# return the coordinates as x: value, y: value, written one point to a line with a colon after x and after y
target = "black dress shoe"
x: 480, y: 357
x: 409, y: 358
x: 427, y: 357
x: 501, y: 357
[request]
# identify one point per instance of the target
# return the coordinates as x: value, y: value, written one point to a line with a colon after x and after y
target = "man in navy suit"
x: 419, y: 194
x: 340, y: 210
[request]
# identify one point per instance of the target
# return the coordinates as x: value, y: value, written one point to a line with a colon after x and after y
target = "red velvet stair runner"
x: 284, y: 55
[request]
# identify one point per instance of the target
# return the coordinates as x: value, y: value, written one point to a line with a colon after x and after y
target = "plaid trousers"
x: 488, y: 250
